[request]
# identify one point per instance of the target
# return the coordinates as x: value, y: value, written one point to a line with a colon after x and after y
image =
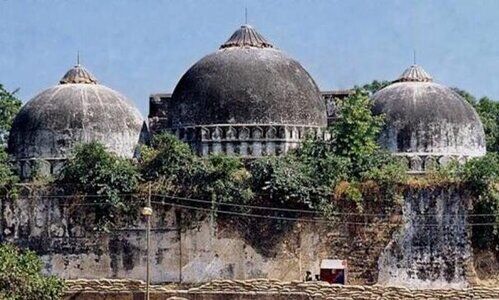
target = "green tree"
x: 324, y: 165
x: 488, y: 110
x: 226, y: 180
x: 167, y: 157
x: 7, y: 175
x: 9, y: 107
x: 172, y: 165
x: 21, y: 278
x: 103, y: 180
x: 283, y: 181
x: 375, y: 86
x: 482, y: 178
x: 356, y: 130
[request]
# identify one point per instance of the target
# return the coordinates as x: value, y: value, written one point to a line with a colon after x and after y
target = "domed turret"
x: 427, y: 122
x: 78, y: 110
x: 247, y: 98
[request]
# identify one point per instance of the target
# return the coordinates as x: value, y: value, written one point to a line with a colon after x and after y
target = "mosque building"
x: 248, y: 99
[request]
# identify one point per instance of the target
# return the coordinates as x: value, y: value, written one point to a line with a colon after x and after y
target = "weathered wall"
x: 264, y: 289
x: 74, y: 250
x: 418, y: 256
x: 433, y: 249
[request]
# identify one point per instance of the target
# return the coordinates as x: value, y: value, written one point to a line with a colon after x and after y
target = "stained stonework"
x: 377, y: 249
x: 71, y: 248
x: 330, y: 98
x: 433, y: 249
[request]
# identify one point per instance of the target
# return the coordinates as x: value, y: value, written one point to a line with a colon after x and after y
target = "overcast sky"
x: 143, y: 47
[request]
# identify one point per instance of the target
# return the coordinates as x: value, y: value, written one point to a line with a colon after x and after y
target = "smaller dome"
x: 77, y: 110
x: 426, y: 118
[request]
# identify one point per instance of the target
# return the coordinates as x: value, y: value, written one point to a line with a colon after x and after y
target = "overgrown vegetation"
x: 102, y: 179
x: 8, y: 177
x: 172, y: 169
x: 482, y: 177
x: 9, y: 107
x: 21, y: 278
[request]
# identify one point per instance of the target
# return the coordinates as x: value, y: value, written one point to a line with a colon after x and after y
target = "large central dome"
x: 247, y: 98
x: 247, y: 81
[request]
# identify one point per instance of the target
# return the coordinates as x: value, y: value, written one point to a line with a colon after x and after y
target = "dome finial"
x: 78, y: 57
x: 78, y: 74
x: 414, y: 73
x: 414, y: 56
x: 246, y: 36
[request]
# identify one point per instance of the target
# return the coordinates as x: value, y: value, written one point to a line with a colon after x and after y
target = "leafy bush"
x: 226, y: 180
x: 7, y: 175
x: 177, y: 172
x: 172, y: 165
x: 488, y: 110
x: 9, y: 107
x: 283, y: 181
x: 482, y: 177
x: 324, y: 166
x: 356, y: 130
x: 168, y: 157
x: 21, y: 278
x: 101, y: 179
x: 383, y: 168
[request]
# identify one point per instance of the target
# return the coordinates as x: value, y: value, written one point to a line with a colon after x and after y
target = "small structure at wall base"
x: 334, y: 271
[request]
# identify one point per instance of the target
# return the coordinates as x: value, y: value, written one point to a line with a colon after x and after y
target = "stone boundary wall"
x: 262, y: 289
x: 70, y: 248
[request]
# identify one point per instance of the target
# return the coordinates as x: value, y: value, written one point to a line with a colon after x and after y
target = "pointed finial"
x: 246, y: 15
x: 414, y: 56
x: 78, y: 57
